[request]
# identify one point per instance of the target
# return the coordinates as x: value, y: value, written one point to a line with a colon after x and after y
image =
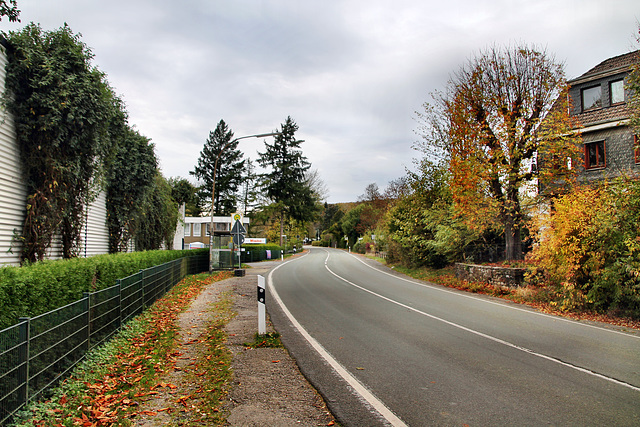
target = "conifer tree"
x: 285, y: 184
x: 229, y: 173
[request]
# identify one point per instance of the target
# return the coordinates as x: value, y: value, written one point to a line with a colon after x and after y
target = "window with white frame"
x: 187, y: 230
x: 616, y: 92
x: 197, y: 230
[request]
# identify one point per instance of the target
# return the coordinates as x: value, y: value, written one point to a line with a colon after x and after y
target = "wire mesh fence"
x: 39, y: 351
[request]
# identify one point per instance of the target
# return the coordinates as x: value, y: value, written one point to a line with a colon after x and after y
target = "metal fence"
x: 39, y: 351
x: 256, y: 255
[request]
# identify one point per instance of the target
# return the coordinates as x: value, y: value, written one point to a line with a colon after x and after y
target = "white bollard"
x: 262, y: 317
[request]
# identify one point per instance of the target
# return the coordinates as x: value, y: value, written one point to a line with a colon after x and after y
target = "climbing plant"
x: 61, y: 104
x: 130, y: 175
x: 159, y: 217
x: 9, y: 8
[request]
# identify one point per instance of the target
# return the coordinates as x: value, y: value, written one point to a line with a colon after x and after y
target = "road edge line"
x: 353, y: 382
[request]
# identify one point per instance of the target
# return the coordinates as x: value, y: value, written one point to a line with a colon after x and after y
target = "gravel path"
x: 268, y: 389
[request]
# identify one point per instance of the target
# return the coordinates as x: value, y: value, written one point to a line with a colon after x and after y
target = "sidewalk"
x: 268, y: 388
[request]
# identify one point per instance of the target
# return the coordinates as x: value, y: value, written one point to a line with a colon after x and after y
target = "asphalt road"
x: 384, y: 349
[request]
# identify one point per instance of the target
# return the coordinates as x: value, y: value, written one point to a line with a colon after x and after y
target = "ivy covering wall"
x: 75, y: 141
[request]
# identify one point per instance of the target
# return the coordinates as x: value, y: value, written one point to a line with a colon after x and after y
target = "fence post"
x: 142, y: 285
x: 25, y: 336
x: 87, y: 306
x: 119, y: 284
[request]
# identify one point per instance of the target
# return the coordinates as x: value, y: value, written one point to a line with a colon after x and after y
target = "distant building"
x: 196, y: 230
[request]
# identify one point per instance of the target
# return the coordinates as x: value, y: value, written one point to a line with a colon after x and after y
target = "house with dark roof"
x: 599, y: 103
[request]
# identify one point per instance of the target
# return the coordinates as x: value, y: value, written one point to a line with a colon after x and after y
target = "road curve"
x: 384, y: 349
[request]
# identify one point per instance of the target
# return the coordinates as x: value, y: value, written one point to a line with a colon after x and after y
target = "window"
x: 197, y: 229
x: 594, y: 155
x: 616, y: 92
x: 207, y: 228
x: 591, y: 98
x: 636, y: 148
x: 187, y: 230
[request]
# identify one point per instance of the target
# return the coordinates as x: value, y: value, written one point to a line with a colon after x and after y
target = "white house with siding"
x: 13, y: 195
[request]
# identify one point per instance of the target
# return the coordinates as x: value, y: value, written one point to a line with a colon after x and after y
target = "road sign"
x: 238, y: 228
x: 238, y: 239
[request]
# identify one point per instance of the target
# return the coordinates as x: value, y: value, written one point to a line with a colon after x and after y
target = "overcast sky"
x: 351, y: 73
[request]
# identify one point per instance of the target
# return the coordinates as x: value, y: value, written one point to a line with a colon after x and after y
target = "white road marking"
x: 356, y: 385
x: 538, y: 313
x: 481, y: 334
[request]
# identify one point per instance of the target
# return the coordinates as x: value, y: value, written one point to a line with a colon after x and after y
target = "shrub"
x: 593, y: 255
x: 44, y: 286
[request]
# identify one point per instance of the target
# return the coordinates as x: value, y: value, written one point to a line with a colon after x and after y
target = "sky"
x: 350, y: 73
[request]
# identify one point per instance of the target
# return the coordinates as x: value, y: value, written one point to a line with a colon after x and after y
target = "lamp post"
x: 213, y: 187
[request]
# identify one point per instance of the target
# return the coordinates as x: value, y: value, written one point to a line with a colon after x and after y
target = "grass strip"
x: 213, y: 372
x: 107, y: 387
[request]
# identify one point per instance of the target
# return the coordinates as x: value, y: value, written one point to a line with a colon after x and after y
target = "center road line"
x: 481, y: 334
x: 537, y: 313
x: 366, y: 396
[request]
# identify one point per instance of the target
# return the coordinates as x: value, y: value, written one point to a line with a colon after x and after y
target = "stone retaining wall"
x: 499, y: 276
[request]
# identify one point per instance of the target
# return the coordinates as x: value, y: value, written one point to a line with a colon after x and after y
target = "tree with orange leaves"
x: 496, y: 115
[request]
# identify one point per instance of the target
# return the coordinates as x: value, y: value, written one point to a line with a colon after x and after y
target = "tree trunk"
x: 513, y: 241
x: 281, y: 226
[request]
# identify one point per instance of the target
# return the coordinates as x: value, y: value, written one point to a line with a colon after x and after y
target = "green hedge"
x: 44, y: 286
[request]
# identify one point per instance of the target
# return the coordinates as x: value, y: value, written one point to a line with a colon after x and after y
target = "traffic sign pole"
x: 238, y: 231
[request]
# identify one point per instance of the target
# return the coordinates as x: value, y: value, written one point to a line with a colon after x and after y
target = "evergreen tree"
x: 285, y: 185
x: 228, y: 176
x: 249, y: 195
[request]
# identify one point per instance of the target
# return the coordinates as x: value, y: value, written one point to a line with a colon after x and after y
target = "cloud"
x: 350, y: 72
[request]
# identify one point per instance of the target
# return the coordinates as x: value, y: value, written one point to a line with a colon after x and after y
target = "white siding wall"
x: 13, y: 193
x: 179, y: 236
x: 95, y: 235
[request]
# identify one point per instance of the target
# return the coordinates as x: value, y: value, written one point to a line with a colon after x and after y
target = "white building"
x: 196, y: 229
x: 13, y: 197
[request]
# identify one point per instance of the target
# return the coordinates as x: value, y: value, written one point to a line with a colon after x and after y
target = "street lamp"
x: 213, y: 187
